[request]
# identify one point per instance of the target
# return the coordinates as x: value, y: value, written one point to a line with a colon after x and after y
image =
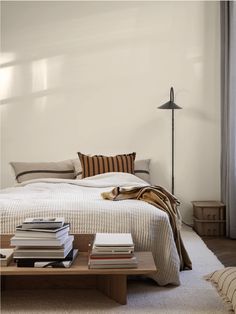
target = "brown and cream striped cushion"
x: 225, y: 282
x: 93, y: 165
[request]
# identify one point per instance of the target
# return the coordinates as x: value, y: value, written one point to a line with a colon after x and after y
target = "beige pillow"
x: 225, y: 282
x: 142, y: 169
x: 78, y: 168
x: 35, y: 170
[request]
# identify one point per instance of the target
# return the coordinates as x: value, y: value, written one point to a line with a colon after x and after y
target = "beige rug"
x: 195, y: 295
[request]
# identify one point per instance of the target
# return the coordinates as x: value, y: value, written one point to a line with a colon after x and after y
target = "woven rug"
x: 195, y: 295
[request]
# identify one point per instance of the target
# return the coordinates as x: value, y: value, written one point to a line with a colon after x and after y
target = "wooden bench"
x: 112, y: 282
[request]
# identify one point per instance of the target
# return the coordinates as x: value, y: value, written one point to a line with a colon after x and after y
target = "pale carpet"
x: 195, y: 295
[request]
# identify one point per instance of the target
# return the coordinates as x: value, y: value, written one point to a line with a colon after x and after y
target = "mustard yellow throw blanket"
x: 162, y: 199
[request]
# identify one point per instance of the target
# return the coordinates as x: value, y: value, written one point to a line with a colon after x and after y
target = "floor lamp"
x: 172, y: 106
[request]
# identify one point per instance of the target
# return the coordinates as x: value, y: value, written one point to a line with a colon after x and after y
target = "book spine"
x: 112, y: 257
x: 53, y: 264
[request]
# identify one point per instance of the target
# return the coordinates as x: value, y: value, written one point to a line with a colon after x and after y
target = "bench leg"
x: 114, y: 286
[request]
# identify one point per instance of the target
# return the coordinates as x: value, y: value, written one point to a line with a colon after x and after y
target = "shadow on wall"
x: 82, y: 36
x: 89, y: 76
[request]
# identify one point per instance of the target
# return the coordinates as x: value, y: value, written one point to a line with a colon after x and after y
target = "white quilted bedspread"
x: 80, y: 202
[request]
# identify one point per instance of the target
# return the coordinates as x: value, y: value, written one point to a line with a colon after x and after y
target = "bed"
x: 80, y: 202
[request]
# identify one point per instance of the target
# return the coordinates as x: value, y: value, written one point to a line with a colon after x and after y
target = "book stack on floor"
x: 112, y: 250
x: 43, y: 242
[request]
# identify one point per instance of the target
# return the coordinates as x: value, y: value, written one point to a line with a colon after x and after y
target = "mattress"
x: 80, y: 202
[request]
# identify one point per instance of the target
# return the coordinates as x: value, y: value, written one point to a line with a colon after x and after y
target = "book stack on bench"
x: 43, y: 242
x: 6, y: 256
x: 112, y: 250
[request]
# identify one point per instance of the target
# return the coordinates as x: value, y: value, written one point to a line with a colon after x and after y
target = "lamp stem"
x: 173, y: 139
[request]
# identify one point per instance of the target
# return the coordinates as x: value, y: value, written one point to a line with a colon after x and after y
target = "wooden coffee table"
x: 112, y: 282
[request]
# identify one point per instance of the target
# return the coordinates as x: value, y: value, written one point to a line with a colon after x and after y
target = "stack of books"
x: 6, y: 256
x: 43, y: 242
x: 112, y: 250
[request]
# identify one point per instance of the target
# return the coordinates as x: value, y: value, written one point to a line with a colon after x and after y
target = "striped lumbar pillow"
x: 225, y: 282
x: 93, y: 165
x: 35, y: 170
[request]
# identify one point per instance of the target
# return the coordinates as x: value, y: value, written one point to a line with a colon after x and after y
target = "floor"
x: 143, y: 296
x: 223, y: 248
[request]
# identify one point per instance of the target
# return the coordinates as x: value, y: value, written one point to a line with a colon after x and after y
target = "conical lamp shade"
x: 170, y: 104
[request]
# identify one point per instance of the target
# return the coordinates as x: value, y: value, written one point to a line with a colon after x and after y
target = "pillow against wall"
x: 35, y: 170
x: 225, y: 282
x: 78, y: 168
x: 97, y: 164
x: 142, y: 169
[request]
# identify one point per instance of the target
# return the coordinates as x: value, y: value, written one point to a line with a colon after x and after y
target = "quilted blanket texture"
x: 82, y: 205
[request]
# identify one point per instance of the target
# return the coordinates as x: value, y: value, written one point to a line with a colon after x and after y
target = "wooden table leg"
x: 114, y: 286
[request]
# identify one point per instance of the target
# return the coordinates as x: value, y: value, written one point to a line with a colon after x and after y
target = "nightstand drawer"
x: 209, y: 227
x: 208, y: 210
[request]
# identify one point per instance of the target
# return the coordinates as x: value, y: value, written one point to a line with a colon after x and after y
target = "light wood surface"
x: 109, y: 285
x: 146, y: 265
x: 112, y: 282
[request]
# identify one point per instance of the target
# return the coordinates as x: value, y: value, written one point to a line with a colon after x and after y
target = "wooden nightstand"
x: 209, y: 218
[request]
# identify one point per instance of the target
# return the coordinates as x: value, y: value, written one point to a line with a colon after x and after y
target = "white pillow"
x: 78, y: 168
x: 142, y: 169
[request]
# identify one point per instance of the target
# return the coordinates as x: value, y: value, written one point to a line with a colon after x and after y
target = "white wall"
x: 88, y: 76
